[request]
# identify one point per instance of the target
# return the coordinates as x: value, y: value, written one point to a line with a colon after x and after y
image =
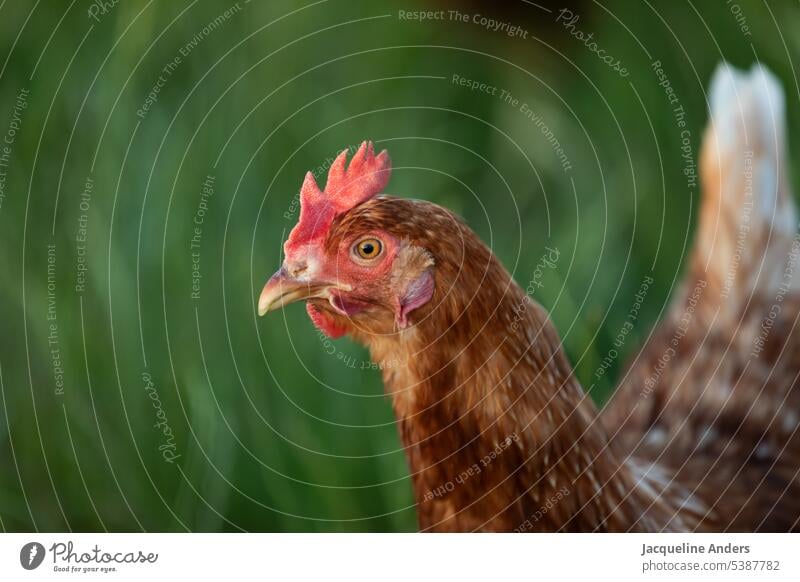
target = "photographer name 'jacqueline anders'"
x: 686, y: 548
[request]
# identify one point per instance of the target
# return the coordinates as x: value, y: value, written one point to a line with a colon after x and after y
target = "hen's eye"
x: 369, y: 248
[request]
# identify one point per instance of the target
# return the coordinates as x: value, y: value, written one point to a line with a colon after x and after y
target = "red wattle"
x: 325, y: 323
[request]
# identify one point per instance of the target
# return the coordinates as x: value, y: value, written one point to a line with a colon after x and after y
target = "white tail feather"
x: 748, y: 218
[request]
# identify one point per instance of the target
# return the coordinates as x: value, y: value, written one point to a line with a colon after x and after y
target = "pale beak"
x: 282, y: 289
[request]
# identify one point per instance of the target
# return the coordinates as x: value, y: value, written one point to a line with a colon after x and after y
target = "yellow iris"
x: 369, y: 248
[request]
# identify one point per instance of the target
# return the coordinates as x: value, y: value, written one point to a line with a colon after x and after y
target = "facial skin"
x: 360, y: 277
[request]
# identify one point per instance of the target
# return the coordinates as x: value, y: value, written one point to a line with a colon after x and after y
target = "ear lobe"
x: 417, y: 294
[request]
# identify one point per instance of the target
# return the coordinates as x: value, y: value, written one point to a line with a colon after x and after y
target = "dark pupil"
x: 368, y: 248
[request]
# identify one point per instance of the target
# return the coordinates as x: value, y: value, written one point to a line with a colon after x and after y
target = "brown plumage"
x: 701, y: 434
x: 721, y: 417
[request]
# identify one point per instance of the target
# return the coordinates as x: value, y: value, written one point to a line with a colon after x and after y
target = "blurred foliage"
x: 276, y: 428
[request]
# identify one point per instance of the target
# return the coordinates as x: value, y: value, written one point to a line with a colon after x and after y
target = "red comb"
x: 366, y: 176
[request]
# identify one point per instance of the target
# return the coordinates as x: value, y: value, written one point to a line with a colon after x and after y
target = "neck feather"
x: 498, y: 432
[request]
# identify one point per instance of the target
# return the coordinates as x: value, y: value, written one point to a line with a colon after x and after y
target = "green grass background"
x: 276, y: 428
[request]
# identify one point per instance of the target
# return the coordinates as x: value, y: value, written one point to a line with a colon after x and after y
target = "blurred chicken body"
x: 702, y: 432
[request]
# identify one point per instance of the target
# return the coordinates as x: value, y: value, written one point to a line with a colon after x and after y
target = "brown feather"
x: 702, y: 432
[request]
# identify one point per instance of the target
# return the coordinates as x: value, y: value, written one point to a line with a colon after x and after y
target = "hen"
x: 701, y: 435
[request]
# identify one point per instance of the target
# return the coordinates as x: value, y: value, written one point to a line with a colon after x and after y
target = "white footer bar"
x: 401, y: 557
